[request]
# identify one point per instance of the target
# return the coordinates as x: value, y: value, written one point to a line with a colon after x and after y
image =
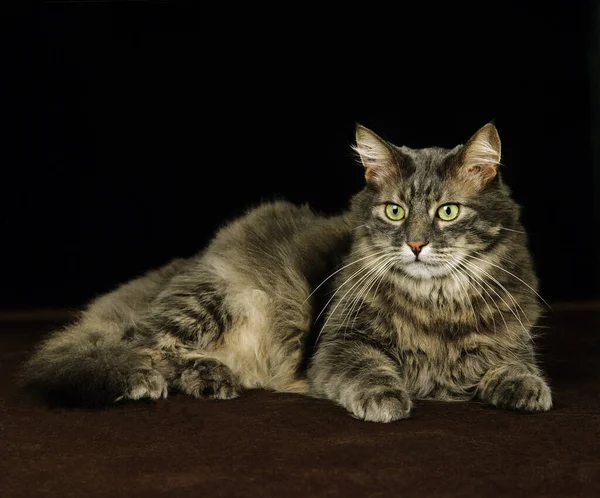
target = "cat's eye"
x: 448, y: 212
x: 394, y: 212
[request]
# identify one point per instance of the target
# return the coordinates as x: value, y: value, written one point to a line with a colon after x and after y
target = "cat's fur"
x: 453, y: 323
x: 234, y: 316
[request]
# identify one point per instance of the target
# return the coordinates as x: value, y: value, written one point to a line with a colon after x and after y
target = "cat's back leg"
x: 265, y: 346
x: 219, y: 333
x: 207, y: 378
x: 246, y: 301
x: 186, y: 325
x: 93, y: 361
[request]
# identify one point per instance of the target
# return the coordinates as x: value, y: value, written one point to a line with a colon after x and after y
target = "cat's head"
x: 432, y: 207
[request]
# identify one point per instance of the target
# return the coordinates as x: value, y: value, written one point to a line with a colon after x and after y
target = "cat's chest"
x: 442, y: 366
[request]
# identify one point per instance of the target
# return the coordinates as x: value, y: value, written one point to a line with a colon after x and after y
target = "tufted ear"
x: 480, y: 157
x: 376, y: 155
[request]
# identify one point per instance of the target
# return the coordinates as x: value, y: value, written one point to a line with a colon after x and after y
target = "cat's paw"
x: 209, y: 378
x: 145, y: 383
x: 521, y: 391
x: 382, y: 405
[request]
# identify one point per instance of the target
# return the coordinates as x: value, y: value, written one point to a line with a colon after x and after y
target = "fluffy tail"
x: 80, y: 367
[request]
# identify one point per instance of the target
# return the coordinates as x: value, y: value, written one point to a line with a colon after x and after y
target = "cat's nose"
x: 416, y: 247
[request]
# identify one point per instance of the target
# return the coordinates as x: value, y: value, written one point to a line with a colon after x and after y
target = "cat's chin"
x: 422, y: 271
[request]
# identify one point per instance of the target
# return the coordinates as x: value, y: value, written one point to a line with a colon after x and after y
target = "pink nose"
x: 416, y: 247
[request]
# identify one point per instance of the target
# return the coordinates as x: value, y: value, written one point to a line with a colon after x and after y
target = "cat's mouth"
x: 422, y: 262
x: 427, y: 266
x: 417, y: 268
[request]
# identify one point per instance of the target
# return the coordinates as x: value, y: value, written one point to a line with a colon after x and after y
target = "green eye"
x: 448, y: 212
x: 394, y: 212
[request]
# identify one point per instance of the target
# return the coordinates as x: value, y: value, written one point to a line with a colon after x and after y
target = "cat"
x: 235, y: 316
x: 423, y: 289
x: 438, y: 297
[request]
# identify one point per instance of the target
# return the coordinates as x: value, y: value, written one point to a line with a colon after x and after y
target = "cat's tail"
x: 80, y: 366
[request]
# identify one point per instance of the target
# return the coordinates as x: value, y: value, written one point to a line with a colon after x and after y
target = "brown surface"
x: 266, y: 444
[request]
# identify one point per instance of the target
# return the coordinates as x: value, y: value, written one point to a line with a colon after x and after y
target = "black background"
x: 132, y: 130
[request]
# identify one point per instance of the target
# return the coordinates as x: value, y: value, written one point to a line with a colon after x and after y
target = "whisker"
x: 356, y: 273
x: 471, y: 283
x: 511, y: 230
x: 480, y: 281
x: 332, y: 312
x: 509, y: 294
x: 340, y: 269
x: 367, y: 277
x: 376, y: 278
x: 513, y: 311
x: 349, y: 307
x: 512, y: 275
x: 461, y: 289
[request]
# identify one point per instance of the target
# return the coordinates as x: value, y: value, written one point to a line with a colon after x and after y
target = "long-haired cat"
x: 437, y: 298
x: 423, y: 289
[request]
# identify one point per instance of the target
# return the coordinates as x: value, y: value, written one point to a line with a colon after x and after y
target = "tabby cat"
x: 424, y: 289
x: 437, y: 298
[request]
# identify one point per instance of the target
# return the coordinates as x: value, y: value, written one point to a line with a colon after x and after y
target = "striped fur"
x: 454, y: 323
x: 236, y: 316
x: 339, y: 307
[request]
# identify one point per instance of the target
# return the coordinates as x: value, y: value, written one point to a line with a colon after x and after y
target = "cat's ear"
x: 375, y: 154
x: 480, y: 157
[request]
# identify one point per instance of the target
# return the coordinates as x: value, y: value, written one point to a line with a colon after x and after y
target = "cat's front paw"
x: 382, y: 406
x: 519, y: 391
